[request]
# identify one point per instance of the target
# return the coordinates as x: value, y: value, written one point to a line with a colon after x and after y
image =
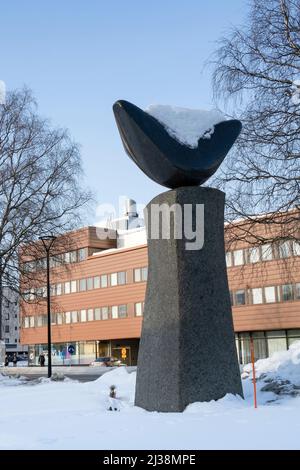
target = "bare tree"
x: 40, y: 183
x: 257, y: 76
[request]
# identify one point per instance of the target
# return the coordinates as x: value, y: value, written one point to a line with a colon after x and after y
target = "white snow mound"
x: 186, y: 125
x: 284, y: 365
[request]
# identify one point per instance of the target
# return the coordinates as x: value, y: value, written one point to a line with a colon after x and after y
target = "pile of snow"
x: 284, y: 365
x: 9, y: 381
x: 2, y: 92
x: 186, y: 125
x: 278, y: 375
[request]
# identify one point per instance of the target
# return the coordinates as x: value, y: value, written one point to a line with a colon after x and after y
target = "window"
x: 7, y: 316
x: 53, y: 318
x: 90, y: 283
x: 137, y: 275
x: 270, y: 294
x: 119, y: 311
x: 114, y: 311
x: 58, y: 289
x: 104, y: 313
x: 253, y: 254
x: 74, y: 316
x: 82, y: 254
x: 296, y: 248
x: 83, y: 315
x: 284, y: 249
x: 73, y: 256
x: 59, y: 318
x: 276, y: 341
x: 138, y: 308
x: 240, y: 297
x: 122, y: 311
x: 260, y: 346
x: 82, y: 285
x: 293, y: 336
x: 122, y: 277
x: 297, y: 291
x: 257, y: 297
x: 287, y: 292
x: 114, y: 279
x: 231, y: 297
x: 73, y: 285
x: 26, y: 322
x: 68, y: 317
x: 6, y: 330
x: 67, y: 287
x: 145, y: 273
x: 238, y: 257
x: 97, y: 313
x: 31, y: 322
x: 228, y: 259
x: 16, y: 328
x: 96, y: 282
x: 140, y: 274
x: 90, y: 314
x: 104, y: 282
x: 266, y: 252
x: 67, y: 257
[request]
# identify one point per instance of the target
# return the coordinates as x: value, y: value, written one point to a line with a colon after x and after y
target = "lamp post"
x: 47, y: 241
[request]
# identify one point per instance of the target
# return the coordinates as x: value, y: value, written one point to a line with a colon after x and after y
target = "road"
x: 83, y: 374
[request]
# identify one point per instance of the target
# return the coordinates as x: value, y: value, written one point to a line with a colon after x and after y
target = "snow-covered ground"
x: 186, y: 125
x: 67, y: 414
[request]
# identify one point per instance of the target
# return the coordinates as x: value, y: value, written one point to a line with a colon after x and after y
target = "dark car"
x: 106, y: 361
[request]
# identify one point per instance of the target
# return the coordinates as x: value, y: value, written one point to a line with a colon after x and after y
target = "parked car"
x: 106, y: 361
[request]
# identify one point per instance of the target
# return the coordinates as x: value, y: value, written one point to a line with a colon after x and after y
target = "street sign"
x: 71, y: 349
x: 123, y: 353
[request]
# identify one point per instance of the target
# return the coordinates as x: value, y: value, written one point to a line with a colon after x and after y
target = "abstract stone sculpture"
x: 187, y: 350
x: 163, y: 158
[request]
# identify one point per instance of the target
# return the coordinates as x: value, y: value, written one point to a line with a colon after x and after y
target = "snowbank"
x: 284, y: 365
x: 186, y: 125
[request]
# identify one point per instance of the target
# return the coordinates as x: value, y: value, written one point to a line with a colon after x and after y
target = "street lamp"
x: 47, y: 243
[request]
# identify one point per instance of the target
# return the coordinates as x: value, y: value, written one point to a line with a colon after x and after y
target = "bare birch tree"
x: 257, y: 76
x: 40, y: 182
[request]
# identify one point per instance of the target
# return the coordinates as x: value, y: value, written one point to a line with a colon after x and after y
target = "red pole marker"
x: 253, y: 371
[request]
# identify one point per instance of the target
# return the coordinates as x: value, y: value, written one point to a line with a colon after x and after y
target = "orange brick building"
x: 98, y: 294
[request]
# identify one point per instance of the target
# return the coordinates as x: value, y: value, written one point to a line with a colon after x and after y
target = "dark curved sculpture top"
x: 164, y: 159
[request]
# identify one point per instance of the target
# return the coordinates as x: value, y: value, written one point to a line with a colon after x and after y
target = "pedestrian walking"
x: 42, y: 359
x: 15, y: 360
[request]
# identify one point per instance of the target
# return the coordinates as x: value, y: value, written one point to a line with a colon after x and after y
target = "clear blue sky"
x: 79, y: 57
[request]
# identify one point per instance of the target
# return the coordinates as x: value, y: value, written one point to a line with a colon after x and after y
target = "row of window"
x: 264, y: 252
x: 73, y: 256
x: 90, y: 283
x: 85, y: 315
x: 266, y: 343
x: 269, y: 294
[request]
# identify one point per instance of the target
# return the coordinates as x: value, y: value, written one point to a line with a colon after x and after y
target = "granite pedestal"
x: 187, y: 351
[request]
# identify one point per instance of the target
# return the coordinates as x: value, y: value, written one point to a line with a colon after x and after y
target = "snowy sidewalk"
x: 65, y: 370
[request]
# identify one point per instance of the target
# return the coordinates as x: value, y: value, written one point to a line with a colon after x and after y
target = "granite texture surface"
x: 187, y: 351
